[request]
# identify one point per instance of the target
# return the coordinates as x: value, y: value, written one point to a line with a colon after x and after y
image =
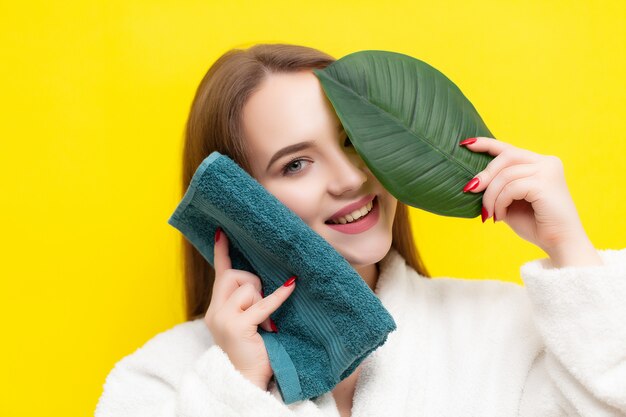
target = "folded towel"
x: 331, y: 322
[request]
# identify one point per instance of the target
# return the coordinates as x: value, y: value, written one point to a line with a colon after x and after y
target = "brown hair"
x: 214, y: 124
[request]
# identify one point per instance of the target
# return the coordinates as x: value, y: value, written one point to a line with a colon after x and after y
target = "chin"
x: 357, y: 255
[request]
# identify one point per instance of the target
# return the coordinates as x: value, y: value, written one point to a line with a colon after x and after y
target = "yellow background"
x: 94, y: 98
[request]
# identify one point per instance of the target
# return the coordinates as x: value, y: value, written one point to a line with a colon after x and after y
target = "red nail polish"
x: 273, y: 326
x: 472, y: 184
x: 217, y: 234
x: 290, y: 281
x: 484, y: 214
x: 468, y: 141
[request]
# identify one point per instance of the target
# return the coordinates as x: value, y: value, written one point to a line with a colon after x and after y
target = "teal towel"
x: 331, y: 322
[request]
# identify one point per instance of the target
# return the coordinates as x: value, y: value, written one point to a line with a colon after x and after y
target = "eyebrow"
x: 290, y: 149
x: 296, y: 147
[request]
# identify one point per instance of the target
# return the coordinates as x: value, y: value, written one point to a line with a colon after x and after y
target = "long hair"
x: 215, y: 124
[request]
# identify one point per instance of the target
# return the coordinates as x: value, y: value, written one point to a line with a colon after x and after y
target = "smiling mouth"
x: 348, y: 219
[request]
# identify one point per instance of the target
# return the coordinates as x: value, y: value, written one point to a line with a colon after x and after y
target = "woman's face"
x: 316, y: 181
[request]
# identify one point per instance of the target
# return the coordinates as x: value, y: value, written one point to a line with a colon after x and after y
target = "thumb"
x: 261, y: 310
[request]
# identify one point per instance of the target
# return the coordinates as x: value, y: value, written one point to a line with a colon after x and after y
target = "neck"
x: 369, y: 273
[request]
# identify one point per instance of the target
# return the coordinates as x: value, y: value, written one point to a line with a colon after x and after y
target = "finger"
x: 507, y: 158
x: 262, y: 310
x: 242, y: 299
x: 520, y: 189
x: 221, y: 260
x: 501, y: 180
x: 484, y: 144
x: 265, y: 324
x: 504, y: 189
x: 230, y: 281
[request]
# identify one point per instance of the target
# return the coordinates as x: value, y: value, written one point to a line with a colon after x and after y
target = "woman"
x: 462, y: 347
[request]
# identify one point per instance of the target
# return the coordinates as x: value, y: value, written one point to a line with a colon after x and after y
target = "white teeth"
x: 355, y: 215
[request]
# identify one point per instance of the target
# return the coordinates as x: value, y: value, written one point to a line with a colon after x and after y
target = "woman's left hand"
x: 528, y: 192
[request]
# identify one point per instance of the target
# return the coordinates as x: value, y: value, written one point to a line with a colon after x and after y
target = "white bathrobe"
x: 553, y: 347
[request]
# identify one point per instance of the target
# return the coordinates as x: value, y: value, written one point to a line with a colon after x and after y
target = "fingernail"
x: 468, y: 141
x: 217, y: 234
x: 484, y: 214
x: 473, y: 183
x: 273, y: 326
x: 290, y: 281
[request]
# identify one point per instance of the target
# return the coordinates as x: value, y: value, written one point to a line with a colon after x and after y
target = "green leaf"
x: 406, y: 119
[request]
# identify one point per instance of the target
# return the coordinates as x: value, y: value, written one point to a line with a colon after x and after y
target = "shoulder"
x: 450, y: 288
x: 143, y: 382
x: 168, y: 353
x: 488, y: 297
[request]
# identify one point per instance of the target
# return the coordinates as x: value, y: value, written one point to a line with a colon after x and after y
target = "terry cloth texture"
x: 463, y: 347
x: 331, y: 322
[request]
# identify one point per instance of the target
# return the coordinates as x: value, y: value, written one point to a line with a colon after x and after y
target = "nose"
x: 347, y: 173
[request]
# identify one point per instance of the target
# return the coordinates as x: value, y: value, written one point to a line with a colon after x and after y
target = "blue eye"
x: 290, y: 164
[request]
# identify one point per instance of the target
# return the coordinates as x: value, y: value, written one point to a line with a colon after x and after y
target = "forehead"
x: 287, y: 108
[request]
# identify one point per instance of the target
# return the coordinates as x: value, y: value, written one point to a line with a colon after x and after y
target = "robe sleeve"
x: 140, y: 386
x: 580, y: 313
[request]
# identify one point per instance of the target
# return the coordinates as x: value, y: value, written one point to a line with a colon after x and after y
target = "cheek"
x: 303, y: 200
x: 391, y: 204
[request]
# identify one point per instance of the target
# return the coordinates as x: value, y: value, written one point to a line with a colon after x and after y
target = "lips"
x: 351, y: 207
x: 361, y: 225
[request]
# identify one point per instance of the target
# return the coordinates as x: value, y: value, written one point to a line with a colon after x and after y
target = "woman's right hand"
x: 235, y: 312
